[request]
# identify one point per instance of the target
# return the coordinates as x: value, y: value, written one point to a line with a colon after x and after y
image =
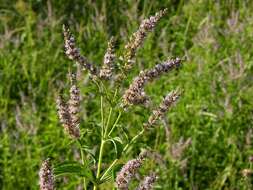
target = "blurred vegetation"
x: 215, y: 110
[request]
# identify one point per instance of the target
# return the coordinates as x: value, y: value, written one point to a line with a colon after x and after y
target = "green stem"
x: 115, y: 161
x: 100, y: 161
x: 101, y: 150
x: 102, y: 115
x: 133, y: 139
x: 115, y: 95
x: 100, y: 158
x: 115, y: 123
x: 103, y: 137
x: 108, y: 122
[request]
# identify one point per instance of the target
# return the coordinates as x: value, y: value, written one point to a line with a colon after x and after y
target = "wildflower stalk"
x: 137, y: 38
x: 73, y: 52
x: 101, y: 149
x: 67, y: 117
x: 46, y: 176
x: 104, y: 134
x: 164, y: 106
x: 107, y: 68
x: 135, y: 94
x: 128, y: 171
x: 148, y: 182
x: 102, y: 115
x: 68, y: 111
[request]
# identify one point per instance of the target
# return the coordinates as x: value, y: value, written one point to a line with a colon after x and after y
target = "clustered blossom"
x: 147, y: 183
x: 107, y: 68
x: 74, y: 101
x: 135, y: 93
x: 127, y: 172
x: 65, y: 118
x: 158, y: 113
x: 73, y: 52
x: 138, y: 37
x: 46, y: 176
x: 68, y: 112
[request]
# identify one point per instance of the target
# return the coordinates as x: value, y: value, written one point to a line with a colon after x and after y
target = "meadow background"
x: 215, y: 110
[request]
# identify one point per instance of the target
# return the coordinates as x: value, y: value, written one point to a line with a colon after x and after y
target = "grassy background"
x: 216, y: 109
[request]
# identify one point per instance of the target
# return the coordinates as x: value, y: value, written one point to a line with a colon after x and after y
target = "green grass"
x: 215, y: 110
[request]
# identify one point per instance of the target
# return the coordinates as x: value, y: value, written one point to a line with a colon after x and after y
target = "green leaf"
x: 118, y: 139
x: 90, y: 152
x: 73, y: 168
x: 115, y: 145
x: 114, y: 140
x: 107, y: 178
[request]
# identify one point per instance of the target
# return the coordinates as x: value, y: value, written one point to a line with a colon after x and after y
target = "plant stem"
x: 101, y: 150
x: 108, y: 122
x: 102, y: 116
x: 104, y: 132
x: 116, y: 160
x: 115, y: 123
x: 100, y: 158
x: 133, y: 139
x: 99, y: 161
